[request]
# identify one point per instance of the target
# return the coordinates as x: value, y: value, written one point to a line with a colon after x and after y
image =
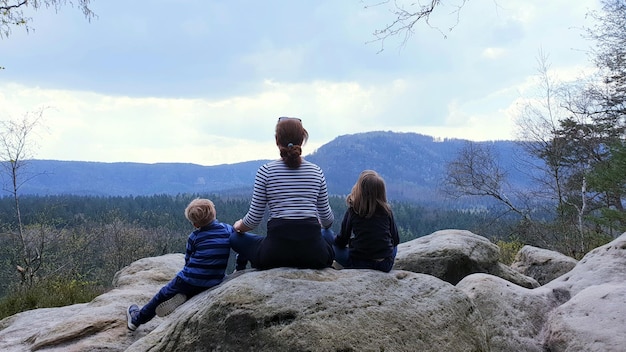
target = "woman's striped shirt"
x: 289, y: 193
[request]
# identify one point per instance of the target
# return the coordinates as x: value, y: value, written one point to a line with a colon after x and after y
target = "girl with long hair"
x: 368, y: 227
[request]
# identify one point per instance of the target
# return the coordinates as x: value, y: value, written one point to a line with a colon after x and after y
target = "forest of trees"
x: 96, y: 236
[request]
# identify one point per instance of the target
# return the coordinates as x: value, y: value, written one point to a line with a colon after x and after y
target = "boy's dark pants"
x: 177, y: 285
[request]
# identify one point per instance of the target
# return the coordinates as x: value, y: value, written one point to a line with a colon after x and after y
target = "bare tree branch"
x: 408, y: 15
x: 12, y: 12
x: 475, y: 172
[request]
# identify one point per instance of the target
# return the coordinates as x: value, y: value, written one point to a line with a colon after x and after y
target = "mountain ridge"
x: 412, y: 165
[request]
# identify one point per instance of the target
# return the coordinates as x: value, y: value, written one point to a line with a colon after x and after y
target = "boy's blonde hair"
x: 200, y: 212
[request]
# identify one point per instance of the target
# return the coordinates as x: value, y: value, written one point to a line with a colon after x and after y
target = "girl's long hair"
x: 368, y: 194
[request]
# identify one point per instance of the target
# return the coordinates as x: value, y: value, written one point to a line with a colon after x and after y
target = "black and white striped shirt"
x: 289, y: 193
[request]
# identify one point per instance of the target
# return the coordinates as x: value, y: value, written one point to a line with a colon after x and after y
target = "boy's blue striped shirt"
x: 206, y: 255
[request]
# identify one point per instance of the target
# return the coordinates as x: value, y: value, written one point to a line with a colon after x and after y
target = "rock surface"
x: 542, y: 264
x: 324, y: 310
x: 593, y: 320
x: 355, y: 310
x: 451, y: 255
x: 97, y: 325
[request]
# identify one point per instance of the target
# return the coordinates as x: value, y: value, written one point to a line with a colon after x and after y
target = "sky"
x: 204, y: 81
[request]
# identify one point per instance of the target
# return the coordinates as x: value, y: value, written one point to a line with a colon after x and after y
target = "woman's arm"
x: 255, y: 213
x: 239, y: 226
x: 324, y: 211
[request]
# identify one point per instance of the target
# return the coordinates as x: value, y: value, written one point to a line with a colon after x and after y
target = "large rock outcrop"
x: 451, y: 255
x: 542, y: 264
x: 355, y: 310
x: 324, y: 310
x: 582, y: 310
x: 99, y: 325
x: 594, y: 319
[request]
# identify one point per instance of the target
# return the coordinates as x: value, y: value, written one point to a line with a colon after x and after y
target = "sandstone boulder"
x: 593, y: 320
x: 451, y: 255
x: 603, y: 265
x: 324, y: 310
x: 582, y: 310
x: 96, y: 326
x: 514, y: 316
x: 542, y: 264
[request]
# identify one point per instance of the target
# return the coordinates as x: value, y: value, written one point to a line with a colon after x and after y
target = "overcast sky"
x: 204, y: 81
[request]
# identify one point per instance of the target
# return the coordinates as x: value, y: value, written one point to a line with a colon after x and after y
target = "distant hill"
x: 412, y: 165
x: 50, y: 177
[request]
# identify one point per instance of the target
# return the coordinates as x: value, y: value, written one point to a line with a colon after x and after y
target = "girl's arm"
x: 394, y: 230
x: 324, y: 211
x: 343, y: 238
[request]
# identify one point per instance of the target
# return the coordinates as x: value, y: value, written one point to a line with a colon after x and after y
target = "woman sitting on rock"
x: 295, y: 192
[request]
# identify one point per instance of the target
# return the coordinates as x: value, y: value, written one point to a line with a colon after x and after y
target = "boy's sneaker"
x: 241, y: 263
x: 170, y: 305
x: 336, y: 265
x: 131, y: 313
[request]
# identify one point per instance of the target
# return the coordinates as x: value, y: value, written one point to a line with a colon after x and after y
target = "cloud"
x: 204, y: 81
x: 493, y: 53
x: 109, y: 128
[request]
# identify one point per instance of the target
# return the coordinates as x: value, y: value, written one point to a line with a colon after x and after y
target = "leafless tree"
x: 537, y: 126
x: 475, y: 172
x: 16, y: 148
x: 558, y: 127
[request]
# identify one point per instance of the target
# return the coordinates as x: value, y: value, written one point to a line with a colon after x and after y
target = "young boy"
x: 206, y: 259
